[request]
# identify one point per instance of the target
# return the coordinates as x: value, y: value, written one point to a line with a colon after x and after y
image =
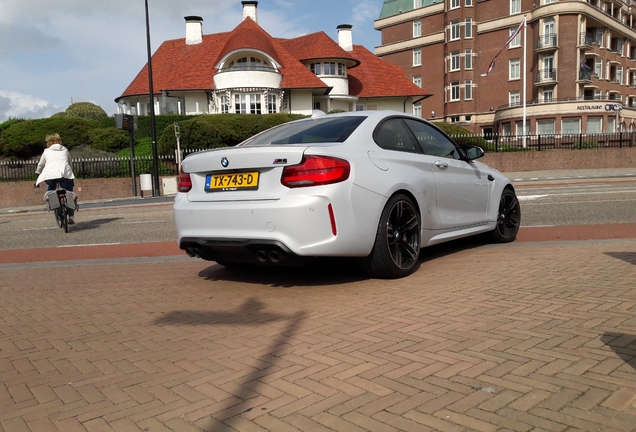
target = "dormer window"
x: 328, y: 68
x: 249, y: 63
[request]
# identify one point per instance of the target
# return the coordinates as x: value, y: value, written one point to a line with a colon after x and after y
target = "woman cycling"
x: 55, y: 164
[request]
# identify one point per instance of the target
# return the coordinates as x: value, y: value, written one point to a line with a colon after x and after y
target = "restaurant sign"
x: 606, y: 107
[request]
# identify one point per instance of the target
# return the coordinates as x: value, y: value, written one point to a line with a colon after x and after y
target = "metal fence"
x: 120, y: 166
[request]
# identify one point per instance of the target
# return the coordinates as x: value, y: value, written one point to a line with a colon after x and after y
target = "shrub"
x: 212, y: 131
x: 86, y: 110
x: 59, y: 114
x: 25, y: 139
x: 108, y: 139
x: 463, y: 136
x: 161, y: 123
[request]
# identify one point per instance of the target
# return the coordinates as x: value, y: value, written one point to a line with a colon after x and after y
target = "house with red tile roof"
x: 247, y: 71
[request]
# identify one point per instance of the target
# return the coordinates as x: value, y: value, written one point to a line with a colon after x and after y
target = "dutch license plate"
x: 231, y: 182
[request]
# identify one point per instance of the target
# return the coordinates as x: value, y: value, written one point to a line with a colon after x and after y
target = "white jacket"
x: 55, y: 163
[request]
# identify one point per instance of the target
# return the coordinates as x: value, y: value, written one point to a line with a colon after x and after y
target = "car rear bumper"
x: 262, y: 252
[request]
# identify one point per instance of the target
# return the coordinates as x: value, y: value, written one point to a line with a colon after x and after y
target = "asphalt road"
x: 549, y: 204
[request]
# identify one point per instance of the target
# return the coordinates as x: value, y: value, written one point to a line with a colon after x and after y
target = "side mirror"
x: 473, y: 152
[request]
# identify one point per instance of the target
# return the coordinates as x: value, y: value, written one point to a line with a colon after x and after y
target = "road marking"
x: 39, y: 229
x: 93, y: 244
x: 530, y: 197
x: 141, y: 222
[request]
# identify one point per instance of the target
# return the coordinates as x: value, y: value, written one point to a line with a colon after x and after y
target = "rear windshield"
x: 319, y: 130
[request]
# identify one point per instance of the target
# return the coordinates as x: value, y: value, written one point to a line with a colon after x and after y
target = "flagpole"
x: 525, y: 59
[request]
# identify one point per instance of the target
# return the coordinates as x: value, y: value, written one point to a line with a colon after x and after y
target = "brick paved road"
x: 522, y: 337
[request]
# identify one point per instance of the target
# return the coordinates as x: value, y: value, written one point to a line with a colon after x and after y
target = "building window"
x: 545, y: 127
x: 598, y: 68
x: 515, y: 7
x: 454, y: 119
x: 469, y: 28
x: 598, y: 94
x: 516, y: 42
x: 342, y: 69
x: 454, y: 30
x: 598, y: 36
x: 271, y: 103
x: 468, y: 89
x: 548, y: 1
x: 611, y: 124
x: 506, y: 129
x: 417, y: 28
x: 514, y: 69
x: 520, y: 129
x: 417, y: 80
x: 417, y: 57
x: 359, y: 107
x: 417, y: 4
x: 454, y: 64
x: 329, y: 68
x: 468, y: 59
x: 468, y: 3
x: 548, y: 94
x: 225, y: 104
x: 454, y: 96
x: 513, y: 98
x: 454, y: 4
x: 594, y: 125
x: 316, y: 68
x: 317, y: 105
x: 468, y: 118
x: 417, y: 110
x: 570, y: 126
x: 247, y: 104
x: 619, y: 75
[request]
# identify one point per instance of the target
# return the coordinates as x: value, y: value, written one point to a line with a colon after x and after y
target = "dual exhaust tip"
x: 262, y: 255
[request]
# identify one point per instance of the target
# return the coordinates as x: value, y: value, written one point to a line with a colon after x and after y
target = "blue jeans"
x: 67, y: 184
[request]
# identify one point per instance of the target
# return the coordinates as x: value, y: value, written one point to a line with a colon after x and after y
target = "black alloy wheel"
x: 508, y: 218
x: 396, y: 249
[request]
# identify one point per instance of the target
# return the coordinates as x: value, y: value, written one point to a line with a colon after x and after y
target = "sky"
x: 55, y: 53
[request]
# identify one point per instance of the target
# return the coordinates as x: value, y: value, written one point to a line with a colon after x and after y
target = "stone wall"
x: 20, y: 194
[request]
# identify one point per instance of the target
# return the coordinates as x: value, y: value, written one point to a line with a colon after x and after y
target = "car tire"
x: 396, y: 248
x: 508, y: 218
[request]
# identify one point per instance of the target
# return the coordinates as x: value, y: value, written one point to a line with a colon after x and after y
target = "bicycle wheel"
x: 64, y: 217
x: 58, y: 216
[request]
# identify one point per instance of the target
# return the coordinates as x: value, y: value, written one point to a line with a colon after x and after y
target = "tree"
x: 86, y: 110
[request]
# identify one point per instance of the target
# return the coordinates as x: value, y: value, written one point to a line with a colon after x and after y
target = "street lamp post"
x: 153, y: 133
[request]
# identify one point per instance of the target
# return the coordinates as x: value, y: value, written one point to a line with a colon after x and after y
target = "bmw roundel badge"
x: 224, y: 162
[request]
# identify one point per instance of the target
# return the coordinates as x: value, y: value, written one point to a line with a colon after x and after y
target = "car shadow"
x: 92, y: 224
x: 629, y: 257
x: 319, y: 272
x: 250, y: 313
x: 624, y: 345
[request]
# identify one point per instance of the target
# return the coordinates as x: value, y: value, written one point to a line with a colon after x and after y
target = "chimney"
x: 194, y: 30
x: 249, y: 10
x: 345, y: 40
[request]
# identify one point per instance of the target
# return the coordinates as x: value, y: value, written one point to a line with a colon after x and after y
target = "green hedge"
x: 212, y: 131
x: 26, y: 139
x: 108, y: 139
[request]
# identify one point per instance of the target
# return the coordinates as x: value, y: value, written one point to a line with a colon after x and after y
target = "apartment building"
x: 578, y: 62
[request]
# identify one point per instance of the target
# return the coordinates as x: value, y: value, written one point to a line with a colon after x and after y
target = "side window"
x: 394, y: 135
x: 432, y: 141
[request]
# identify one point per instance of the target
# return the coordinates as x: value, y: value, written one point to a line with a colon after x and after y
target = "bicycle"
x: 59, y: 204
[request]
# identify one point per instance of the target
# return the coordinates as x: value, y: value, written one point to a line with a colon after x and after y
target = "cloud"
x: 18, y: 105
x: 17, y: 39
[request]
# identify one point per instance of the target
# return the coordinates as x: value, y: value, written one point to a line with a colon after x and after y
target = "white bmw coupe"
x: 377, y: 185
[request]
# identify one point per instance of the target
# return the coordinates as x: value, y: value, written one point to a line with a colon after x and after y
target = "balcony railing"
x: 547, y: 41
x: 586, y: 75
x: 546, y: 75
x: 586, y: 39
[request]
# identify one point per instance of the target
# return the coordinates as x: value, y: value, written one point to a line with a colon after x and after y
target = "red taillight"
x: 315, y: 171
x: 185, y: 182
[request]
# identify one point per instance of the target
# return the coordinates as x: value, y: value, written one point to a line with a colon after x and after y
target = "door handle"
x: 441, y: 165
